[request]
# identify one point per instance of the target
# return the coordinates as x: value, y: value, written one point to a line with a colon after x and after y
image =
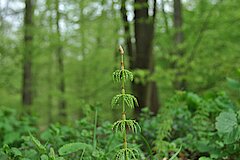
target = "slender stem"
x: 123, y: 105
x: 95, y: 131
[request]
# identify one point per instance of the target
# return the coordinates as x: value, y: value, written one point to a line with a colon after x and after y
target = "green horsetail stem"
x: 124, y: 100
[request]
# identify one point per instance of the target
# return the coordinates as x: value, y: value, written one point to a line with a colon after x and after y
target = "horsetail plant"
x: 124, y: 100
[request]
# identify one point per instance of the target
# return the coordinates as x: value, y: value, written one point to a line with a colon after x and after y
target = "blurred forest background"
x: 56, y: 63
x: 57, y: 57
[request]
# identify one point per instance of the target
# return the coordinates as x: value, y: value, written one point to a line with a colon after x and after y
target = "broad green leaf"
x: 73, y: 147
x: 226, y: 122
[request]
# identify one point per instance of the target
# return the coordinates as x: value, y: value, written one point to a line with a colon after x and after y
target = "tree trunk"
x: 27, y: 98
x: 49, y: 94
x: 178, y: 22
x: 144, y: 34
x: 59, y: 55
x: 50, y: 8
x: 165, y: 16
x: 179, y: 82
x: 127, y: 36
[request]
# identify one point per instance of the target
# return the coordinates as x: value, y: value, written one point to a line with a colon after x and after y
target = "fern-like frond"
x: 128, y: 99
x: 118, y: 75
x: 131, y: 153
x: 116, y: 100
x: 122, y: 124
x: 133, y: 125
x: 127, y: 75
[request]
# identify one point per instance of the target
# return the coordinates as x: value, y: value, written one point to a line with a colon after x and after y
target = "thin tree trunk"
x: 27, y: 97
x: 116, y: 30
x: 49, y: 6
x: 49, y: 96
x: 59, y: 54
x: 49, y: 78
x: 101, y: 24
x: 165, y: 16
x: 1, y: 18
x: 179, y: 82
x: 127, y: 36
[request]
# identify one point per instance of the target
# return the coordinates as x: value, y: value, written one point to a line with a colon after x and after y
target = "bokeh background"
x: 57, y: 57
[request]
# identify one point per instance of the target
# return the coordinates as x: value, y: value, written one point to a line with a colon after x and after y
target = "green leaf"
x: 226, y: 122
x: 30, y: 153
x: 44, y: 157
x: 121, y: 126
x: 233, y: 83
x: 175, y: 155
x: 205, y: 158
x: 131, y: 153
x: 232, y: 136
x: 124, y: 75
x: 51, y: 154
x: 38, y: 144
x: 16, y: 152
x: 11, y: 137
x: 6, y: 148
x: 73, y: 147
x: 128, y: 99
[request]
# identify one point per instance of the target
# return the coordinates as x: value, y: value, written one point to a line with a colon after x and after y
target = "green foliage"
x: 124, y: 75
x: 122, y: 125
x: 73, y: 147
x: 12, y: 126
x: 130, y: 153
x: 165, y: 122
x: 233, y: 83
x: 175, y: 155
x: 226, y: 122
x: 204, y: 126
x: 228, y: 127
x: 71, y: 142
x: 216, y: 137
x: 204, y: 121
x: 128, y: 99
x: 141, y: 76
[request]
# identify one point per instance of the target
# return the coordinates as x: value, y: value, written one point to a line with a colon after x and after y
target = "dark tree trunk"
x: 179, y: 83
x: 144, y: 34
x: 178, y: 22
x: 127, y: 36
x: 27, y: 98
x: 59, y: 55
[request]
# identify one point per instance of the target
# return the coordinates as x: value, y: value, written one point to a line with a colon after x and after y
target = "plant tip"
x: 121, y: 50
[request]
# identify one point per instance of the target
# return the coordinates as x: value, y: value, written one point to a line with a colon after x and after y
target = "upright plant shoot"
x: 124, y: 101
